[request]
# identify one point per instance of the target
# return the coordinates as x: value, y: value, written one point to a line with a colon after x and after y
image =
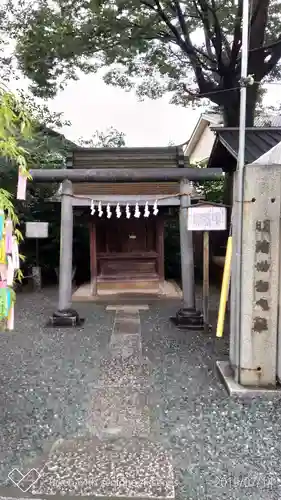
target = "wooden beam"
x: 93, y: 257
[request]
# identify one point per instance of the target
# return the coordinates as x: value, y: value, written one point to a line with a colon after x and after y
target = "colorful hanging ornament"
x: 100, y: 211
x: 2, y: 223
x: 146, y: 210
x: 3, y: 259
x: 93, y: 210
x: 108, y: 211
x: 155, y: 208
x: 3, y: 303
x: 8, y: 300
x: 118, y: 211
x: 22, y: 179
x: 11, y: 318
x: 137, y: 211
x: 9, y: 257
x: 8, y: 236
x: 128, y: 213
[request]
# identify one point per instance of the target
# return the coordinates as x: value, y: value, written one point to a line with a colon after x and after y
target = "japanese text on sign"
x: 206, y: 218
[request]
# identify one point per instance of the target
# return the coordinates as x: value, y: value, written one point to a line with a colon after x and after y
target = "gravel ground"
x: 44, y: 377
x: 221, y: 448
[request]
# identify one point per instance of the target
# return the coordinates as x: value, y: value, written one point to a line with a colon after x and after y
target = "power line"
x: 220, y: 91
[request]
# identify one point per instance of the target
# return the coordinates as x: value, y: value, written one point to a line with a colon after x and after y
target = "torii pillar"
x: 65, y: 315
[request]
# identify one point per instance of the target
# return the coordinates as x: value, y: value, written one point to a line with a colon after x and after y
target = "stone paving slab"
x: 127, y: 314
x: 125, y: 346
x: 135, y: 468
x: 119, y: 411
x: 129, y: 307
x: 128, y: 327
x: 122, y: 372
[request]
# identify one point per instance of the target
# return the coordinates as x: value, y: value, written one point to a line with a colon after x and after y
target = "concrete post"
x: 187, y: 316
x: 254, y: 340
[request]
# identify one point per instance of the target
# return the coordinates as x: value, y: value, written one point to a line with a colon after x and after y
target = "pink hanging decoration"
x: 11, y: 318
x: 21, y: 193
x: 9, y: 236
x: 3, y: 284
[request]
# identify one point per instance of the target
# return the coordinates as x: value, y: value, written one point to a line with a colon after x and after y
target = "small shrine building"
x: 126, y: 219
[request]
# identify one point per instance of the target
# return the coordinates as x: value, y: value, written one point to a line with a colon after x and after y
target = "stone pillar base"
x: 226, y: 375
x: 188, y: 319
x: 66, y: 318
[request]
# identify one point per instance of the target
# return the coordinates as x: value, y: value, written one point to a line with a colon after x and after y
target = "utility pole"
x: 239, y: 188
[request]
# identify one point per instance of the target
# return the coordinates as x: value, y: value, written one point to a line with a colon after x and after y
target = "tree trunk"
x: 230, y: 104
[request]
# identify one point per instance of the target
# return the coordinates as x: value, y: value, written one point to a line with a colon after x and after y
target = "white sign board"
x: 36, y: 229
x: 206, y: 218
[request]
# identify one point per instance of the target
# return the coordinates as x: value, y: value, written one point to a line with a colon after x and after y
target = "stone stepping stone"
x: 125, y: 346
x: 120, y: 411
x: 118, y: 371
x: 119, y: 468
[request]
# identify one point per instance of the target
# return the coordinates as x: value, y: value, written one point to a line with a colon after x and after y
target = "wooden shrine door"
x: 127, y: 249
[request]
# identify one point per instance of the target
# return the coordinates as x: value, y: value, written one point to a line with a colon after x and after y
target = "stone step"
x: 115, y: 468
x: 128, y: 285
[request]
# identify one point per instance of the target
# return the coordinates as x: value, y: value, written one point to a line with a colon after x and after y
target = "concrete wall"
x: 253, y: 351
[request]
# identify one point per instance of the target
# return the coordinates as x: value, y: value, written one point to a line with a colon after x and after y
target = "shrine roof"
x: 258, y: 140
x: 149, y: 157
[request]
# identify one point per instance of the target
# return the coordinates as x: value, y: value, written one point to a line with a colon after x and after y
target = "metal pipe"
x: 125, y: 174
x: 66, y: 240
x: 238, y: 237
x: 206, y: 279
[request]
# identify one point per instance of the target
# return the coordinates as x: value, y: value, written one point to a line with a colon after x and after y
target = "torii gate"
x: 187, y: 316
x: 255, y: 354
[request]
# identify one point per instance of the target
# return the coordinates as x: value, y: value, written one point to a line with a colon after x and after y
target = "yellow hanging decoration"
x: 3, y: 251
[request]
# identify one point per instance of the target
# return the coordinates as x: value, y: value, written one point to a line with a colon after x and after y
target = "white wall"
x: 204, y: 146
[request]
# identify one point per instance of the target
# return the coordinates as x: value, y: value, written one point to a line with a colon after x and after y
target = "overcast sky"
x: 89, y: 104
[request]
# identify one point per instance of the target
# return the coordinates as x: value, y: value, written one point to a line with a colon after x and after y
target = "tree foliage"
x: 27, y: 140
x: 15, y: 126
x: 190, y: 48
x: 110, y: 138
